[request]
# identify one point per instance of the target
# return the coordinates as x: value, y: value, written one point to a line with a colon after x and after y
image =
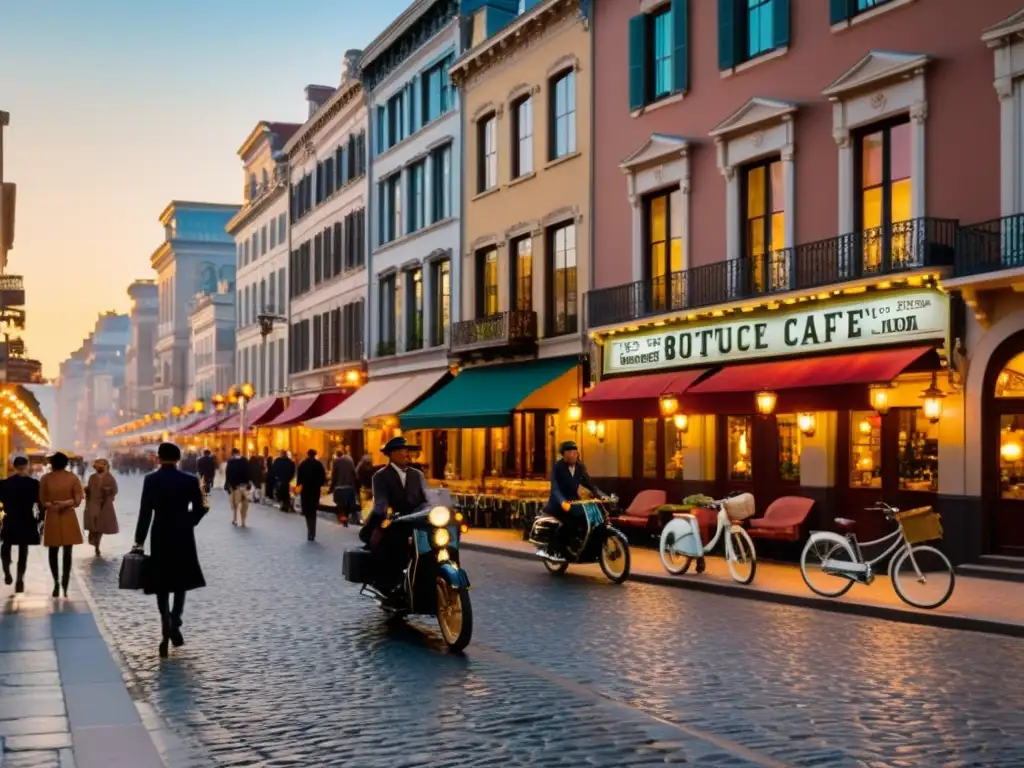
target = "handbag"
x: 132, y: 574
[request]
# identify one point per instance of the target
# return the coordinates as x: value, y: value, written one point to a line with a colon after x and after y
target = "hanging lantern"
x: 933, y: 397
x: 808, y: 423
x: 668, y: 404
x: 682, y: 422
x: 864, y: 426
x: 600, y: 431
x: 879, y: 394
x: 592, y: 427
x: 765, y: 401
x: 247, y: 391
x: 575, y: 413
x: 1011, y: 451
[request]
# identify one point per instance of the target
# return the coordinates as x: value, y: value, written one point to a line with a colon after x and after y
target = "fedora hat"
x: 397, y: 443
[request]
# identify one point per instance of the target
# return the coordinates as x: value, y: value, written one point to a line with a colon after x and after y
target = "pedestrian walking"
x: 100, y: 517
x: 268, y: 490
x: 311, y: 479
x: 60, y: 494
x: 19, y: 494
x: 207, y: 467
x: 257, y: 473
x: 173, y: 503
x: 364, y: 478
x: 236, y: 481
x: 283, y: 471
x: 343, y: 487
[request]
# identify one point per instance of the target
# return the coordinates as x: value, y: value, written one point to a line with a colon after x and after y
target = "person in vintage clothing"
x: 173, y: 503
x: 19, y: 495
x: 60, y: 494
x: 311, y: 478
x: 100, y: 517
x: 567, y: 477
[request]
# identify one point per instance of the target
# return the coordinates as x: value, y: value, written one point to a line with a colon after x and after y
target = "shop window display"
x: 609, y: 451
x: 650, y: 447
x: 675, y: 447
x: 790, y: 447
x: 1011, y: 456
x: 918, y: 452
x: 865, y: 449
x: 1010, y: 382
x: 740, y: 468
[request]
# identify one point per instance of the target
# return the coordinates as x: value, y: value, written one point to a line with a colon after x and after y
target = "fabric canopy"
x: 207, y: 424
x: 305, y: 407
x: 353, y: 412
x: 830, y: 371
x: 635, y: 397
x: 412, y: 390
x: 486, y: 396
x: 257, y: 414
x: 181, y: 429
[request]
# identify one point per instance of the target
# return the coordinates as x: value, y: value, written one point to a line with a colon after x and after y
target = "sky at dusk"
x: 119, y: 106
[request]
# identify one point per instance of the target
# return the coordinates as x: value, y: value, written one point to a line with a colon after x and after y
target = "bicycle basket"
x: 920, y: 524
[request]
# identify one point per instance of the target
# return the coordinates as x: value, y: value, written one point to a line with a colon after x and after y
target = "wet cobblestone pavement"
x: 286, y: 666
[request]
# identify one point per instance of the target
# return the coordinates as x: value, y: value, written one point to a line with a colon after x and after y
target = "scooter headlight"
x: 441, y: 537
x: 443, y: 556
x: 439, y: 517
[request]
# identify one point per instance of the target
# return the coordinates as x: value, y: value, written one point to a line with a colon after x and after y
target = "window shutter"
x: 838, y: 11
x: 726, y: 34
x: 680, y: 44
x: 637, y: 61
x: 780, y: 22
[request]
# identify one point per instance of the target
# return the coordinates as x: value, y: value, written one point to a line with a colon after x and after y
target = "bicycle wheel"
x: 742, y: 559
x: 922, y: 577
x: 672, y: 558
x: 819, y: 548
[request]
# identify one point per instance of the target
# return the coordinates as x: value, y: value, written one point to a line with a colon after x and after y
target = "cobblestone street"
x: 286, y: 665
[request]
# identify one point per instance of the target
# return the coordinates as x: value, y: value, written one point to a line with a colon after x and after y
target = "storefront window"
x: 466, y: 452
x: 1011, y: 456
x: 919, y: 452
x: 650, y: 447
x: 675, y: 445
x: 1010, y: 382
x: 739, y: 448
x: 608, y: 452
x: 790, y: 446
x: 865, y: 449
x: 500, y: 451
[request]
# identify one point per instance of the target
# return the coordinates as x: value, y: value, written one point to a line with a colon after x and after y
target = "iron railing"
x: 907, y: 245
x: 498, y: 330
x: 990, y: 246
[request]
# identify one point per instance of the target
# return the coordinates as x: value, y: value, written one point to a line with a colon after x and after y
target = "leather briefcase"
x: 133, y: 567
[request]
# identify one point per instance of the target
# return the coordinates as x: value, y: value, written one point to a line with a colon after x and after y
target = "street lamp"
x: 244, y: 393
x: 267, y: 320
x: 218, y: 401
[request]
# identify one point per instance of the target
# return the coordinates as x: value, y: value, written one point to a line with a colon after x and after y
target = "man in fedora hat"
x: 401, y: 488
x: 567, y: 476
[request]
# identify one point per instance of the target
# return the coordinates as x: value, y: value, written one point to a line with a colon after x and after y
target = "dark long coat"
x: 20, y: 497
x: 174, y: 503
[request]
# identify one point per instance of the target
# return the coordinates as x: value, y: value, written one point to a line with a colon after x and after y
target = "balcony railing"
x: 901, y: 247
x: 385, y: 348
x: 990, y: 246
x: 512, y: 329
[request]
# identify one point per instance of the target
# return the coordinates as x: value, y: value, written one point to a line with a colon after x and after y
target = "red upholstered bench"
x: 782, y: 519
x: 643, y: 512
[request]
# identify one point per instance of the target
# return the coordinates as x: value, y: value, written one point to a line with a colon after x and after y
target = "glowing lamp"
x: 574, y: 412
x: 879, y: 394
x: 765, y: 401
x: 247, y: 390
x: 933, y: 397
x: 682, y: 422
x: 352, y: 377
x: 864, y: 426
x: 807, y: 422
x: 668, y: 404
x: 1011, y: 451
x: 600, y: 431
x: 592, y: 427
x: 198, y: 406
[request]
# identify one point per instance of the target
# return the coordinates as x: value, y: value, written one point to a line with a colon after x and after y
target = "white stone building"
x: 260, y: 230
x: 137, y: 395
x: 212, y: 346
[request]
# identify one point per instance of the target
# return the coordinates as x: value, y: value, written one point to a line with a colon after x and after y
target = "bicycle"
x: 839, y: 556
x: 680, y: 540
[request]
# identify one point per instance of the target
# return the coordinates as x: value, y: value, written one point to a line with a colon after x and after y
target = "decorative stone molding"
x: 564, y: 64
x: 571, y: 212
x: 522, y: 228
x: 523, y: 89
x: 484, y: 110
x: 1006, y: 39
x: 438, y: 254
x: 484, y: 241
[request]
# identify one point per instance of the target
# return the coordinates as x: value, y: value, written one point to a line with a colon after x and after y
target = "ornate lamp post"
x: 244, y: 394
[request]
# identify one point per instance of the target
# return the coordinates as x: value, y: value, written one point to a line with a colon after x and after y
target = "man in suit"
x: 343, y: 488
x: 19, y: 494
x: 282, y: 471
x: 567, y: 476
x: 174, y: 503
x: 402, y: 489
x: 311, y: 479
x: 236, y: 482
x: 207, y: 467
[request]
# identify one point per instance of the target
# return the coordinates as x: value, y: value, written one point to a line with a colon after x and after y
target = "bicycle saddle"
x: 845, y: 523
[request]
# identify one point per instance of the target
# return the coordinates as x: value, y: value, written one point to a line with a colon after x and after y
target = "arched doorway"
x: 1003, y: 447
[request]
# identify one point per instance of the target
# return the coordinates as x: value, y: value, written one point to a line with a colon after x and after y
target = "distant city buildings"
x: 137, y: 394
x: 212, y: 346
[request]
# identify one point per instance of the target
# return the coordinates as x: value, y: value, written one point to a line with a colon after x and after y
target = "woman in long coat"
x: 19, y: 494
x: 60, y: 494
x: 100, y: 517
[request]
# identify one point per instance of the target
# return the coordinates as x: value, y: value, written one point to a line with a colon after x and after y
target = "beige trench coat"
x: 61, y: 528
x: 100, y: 516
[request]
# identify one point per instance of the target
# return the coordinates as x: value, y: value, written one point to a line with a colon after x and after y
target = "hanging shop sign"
x: 890, y: 318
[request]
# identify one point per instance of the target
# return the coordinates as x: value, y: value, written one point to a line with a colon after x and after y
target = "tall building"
x: 99, y: 408
x: 137, y: 394
x: 260, y: 230
x: 70, y: 391
x: 212, y: 345
x: 197, y: 256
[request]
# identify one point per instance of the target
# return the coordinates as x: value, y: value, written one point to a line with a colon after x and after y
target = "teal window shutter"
x: 780, y: 23
x: 839, y: 11
x: 680, y: 45
x: 727, y: 53
x: 637, y: 61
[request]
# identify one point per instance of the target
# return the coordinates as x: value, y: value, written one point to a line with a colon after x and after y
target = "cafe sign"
x: 821, y: 327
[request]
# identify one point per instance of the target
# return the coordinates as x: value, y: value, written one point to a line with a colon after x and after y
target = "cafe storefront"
x: 844, y: 398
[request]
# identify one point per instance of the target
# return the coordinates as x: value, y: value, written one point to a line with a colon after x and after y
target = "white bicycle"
x: 681, y: 542
x: 832, y: 563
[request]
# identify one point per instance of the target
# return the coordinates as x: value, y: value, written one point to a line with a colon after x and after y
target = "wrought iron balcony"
x: 990, y: 246
x: 901, y: 247
x: 503, y: 331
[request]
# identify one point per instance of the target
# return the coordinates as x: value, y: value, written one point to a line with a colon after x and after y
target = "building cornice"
x: 527, y: 27
x: 341, y: 98
x: 395, y: 30
x: 168, y: 213
x: 256, y: 207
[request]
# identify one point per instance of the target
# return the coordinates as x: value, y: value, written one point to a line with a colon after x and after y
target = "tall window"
x: 665, y: 248
x: 522, y: 137
x: 442, y: 289
x: 441, y: 183
x: 563, y: 318
x: 437, y: 90
x: 414, y: 309
x: 764, y: 214
x: 790, y: 447
x: 883, y: 160
x: 417, y: 196
x: 760, y: 32
x: 563, y: 115
x: 865, y: 449
x: 487, y: 282
x: 659, y: 27
x: 487, y: 160
x: 522, y: 273
x: 738, y: 454
x: 386, y: 320
x: 396, y: 119
x: 395, y: 201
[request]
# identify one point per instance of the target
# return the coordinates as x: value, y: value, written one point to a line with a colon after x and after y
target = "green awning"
x: 484, y: 397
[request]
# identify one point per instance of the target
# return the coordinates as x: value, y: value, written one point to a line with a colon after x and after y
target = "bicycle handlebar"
x: 887, y: 509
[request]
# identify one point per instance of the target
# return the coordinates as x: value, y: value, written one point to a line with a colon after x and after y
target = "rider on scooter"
x: 567, y: 476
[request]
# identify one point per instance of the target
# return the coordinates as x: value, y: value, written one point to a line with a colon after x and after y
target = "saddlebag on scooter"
x: 357, y: 566
x: 688, y: 536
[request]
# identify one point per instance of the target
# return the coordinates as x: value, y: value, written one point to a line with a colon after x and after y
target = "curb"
x: 938, y: 620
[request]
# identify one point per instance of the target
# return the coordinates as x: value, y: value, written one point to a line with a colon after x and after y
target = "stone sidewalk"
x: 64, y: 702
